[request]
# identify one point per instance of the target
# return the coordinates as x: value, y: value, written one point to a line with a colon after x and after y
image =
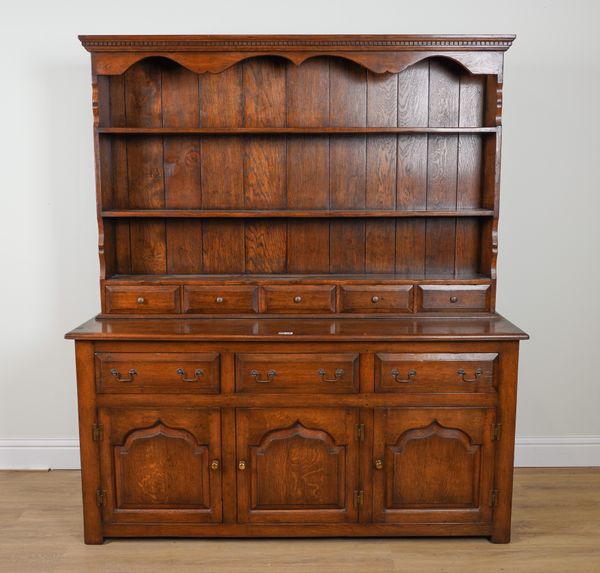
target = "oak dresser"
x: 298, y: 336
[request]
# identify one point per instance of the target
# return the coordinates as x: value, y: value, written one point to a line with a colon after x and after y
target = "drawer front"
x: 296, y: 373
x: 394, y: 298
x: 142, y: 299
x: 217, y: 300
x: 443, y: 373
x: 451, y: 298
x: 138, y: 372
x: 300, y: 299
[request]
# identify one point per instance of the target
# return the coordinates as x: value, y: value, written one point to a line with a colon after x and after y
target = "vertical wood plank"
x: 444, y: 86
x: 411, y: 179
x: 265, y: 163
x: 143, y: 108
x: 266, y: 243
x: 308, y: 246
x: 382, y: 110
x: 184, y: 246
x: 148, y: 247
x: 348, y: 107
x: 223, y: 247
x: 308, y: 166
x: 470, y: 173
x: 222, y: 157
x: 222, y: 167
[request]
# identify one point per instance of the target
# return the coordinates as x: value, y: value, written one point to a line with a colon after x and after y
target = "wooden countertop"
x: 420, y: 328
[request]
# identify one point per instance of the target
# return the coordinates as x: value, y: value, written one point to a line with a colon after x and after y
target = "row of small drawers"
x: 275, y: 373
x: 167, y: 299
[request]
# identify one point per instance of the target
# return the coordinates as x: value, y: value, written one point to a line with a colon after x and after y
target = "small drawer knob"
x: 141, y: 300
x: 215, y: 465
x: 378, y: 464
x: 297, y: 299
x: 453, y: 299
x: 242, y: 465
x: 375, y: 299
x: 219, y: 299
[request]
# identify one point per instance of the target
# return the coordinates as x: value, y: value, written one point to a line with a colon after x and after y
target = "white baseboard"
x: 550, y: 451
x: 39, y: 454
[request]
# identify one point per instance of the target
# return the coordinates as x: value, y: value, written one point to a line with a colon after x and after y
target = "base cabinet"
x: 296, y: 441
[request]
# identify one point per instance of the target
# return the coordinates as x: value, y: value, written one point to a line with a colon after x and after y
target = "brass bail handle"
x: 132, y: 374
x: 242, y: 465
x: 461, y: 372
x: 408, y: 380
x: 198, y: 373
x: 339, y: 372
x: 256, y: 375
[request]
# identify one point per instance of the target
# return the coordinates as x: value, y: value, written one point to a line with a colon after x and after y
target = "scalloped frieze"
x: 106, y: 63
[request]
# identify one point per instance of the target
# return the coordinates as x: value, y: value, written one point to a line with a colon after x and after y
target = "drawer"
x: 296, y: 373
x: 138, y: 372
x: 216, y: 300
x: 393, y: 298
x: 300, y: 299
x: 142, y: 299
x: 443, y: 373
x: 452, y: 298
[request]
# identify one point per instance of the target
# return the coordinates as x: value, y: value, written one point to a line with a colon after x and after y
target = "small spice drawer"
x: 136, y: 372
x: 442, y: 373
x: 142, y: 299
x: 392, y: 298
x: 299, y: 299
x: 443, y: 298
x: 220, y: 300
x: 296, y: 373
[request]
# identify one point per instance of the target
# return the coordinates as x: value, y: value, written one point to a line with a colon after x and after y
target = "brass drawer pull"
x: 378, y: 464
x: 408, y: 380
x: 256, y: 375
x: 453, y: 299
x: 197, y: 374
x: 141, y: 300
x: 219, y: 300
x: 375, y: 299
x: 462, y: 373
x: 297, y: 299
x: 339, y: 372
x: 132, y: 374
x: 242, y: 465
x: 215, y: 465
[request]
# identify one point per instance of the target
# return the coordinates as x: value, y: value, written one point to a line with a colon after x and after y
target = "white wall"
x: 549, y: 266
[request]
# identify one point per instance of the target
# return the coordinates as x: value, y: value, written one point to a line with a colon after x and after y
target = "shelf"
x: 287, y: 130
x: 308, y: 278
x: 286, y: 213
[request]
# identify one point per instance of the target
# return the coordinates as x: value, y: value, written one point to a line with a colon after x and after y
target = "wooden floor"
x: 556, y: 528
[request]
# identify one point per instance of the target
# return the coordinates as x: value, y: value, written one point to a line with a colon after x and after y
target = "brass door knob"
x: 297, y: 299
x: 215, y: 465
x: 141, y: 300
x: 219, y: 299
x: 378, y: 464
x: 242, y: 465
x: 375, y: 299
x: 453, y: 299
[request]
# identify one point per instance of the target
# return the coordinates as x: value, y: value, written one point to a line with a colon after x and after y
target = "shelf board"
x: 287, y: 130
x: 333, y: 278
x: 287, y: 213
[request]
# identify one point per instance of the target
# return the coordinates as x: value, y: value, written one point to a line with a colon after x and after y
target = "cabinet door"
x: 297, y: 465
x: 157, y: 465
x: 432, y: 465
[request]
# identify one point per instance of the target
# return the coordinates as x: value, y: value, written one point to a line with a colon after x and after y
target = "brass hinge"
x: 494, y: 498
x: 359, y: 497
x: 496, y: 429
x: 97, y: 432
x: 100, y: 497
x: 360, y: 432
